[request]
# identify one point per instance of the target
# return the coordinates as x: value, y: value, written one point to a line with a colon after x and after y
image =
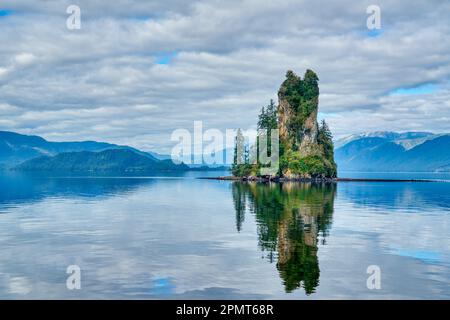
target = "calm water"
x: 181, y: 237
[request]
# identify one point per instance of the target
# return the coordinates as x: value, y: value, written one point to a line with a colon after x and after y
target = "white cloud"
x: 24, y: 58
x: 3, y: 71
x: 102, y: 82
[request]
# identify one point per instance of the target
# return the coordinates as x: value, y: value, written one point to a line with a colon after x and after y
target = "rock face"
x: 298, y: 112
x: 302, y: 143
x: 284, y: 114
x: 306, y: 138
x: 306, y: 148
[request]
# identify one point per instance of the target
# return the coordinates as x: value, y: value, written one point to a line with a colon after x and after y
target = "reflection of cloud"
x: 154, y: 240
x: 5, y: 12
x: 424, y: 255
x: 217, y: 293
x: 404, y: 220
x: 19, y: 285
x: 24, y: 189
x: 421, y: 198
x: 162, y: 287
x: 183, y: 232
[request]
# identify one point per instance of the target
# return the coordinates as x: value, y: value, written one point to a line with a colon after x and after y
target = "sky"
x: 138, y: 70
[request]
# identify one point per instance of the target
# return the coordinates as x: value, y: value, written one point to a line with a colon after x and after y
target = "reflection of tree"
x: 290, y: 218
x: 239, y: 205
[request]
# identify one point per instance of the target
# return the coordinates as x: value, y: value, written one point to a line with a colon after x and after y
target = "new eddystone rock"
x: 306, y: 148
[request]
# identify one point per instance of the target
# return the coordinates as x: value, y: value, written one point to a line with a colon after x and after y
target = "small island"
x: 306, y: 151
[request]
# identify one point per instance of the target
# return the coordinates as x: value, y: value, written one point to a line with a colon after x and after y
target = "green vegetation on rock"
x: 306, y: 149
x: 241, y: 166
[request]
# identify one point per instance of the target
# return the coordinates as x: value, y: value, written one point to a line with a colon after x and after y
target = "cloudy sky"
x: 137, y: 70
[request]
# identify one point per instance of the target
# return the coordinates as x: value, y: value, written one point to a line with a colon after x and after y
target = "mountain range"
x: 118, y: 161
x: 394, y: 152
x: 33, y: 153
x: 370, y: 152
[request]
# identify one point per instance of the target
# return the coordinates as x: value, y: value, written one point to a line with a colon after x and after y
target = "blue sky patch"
x: 374, y: 33
x: 143, y: 17
x: 325, y: 115
x: 422, y: 89
x: 165, y: 58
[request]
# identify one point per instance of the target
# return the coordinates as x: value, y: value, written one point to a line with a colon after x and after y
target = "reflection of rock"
x: 290, y: 217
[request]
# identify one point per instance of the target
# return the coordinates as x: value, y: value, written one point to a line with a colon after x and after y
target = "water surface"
x: 181, y: 237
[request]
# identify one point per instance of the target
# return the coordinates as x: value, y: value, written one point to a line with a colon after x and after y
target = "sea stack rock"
x: 305, y: 147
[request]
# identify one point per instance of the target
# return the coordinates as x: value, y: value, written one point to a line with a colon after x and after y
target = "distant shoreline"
x: 258, y: 179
